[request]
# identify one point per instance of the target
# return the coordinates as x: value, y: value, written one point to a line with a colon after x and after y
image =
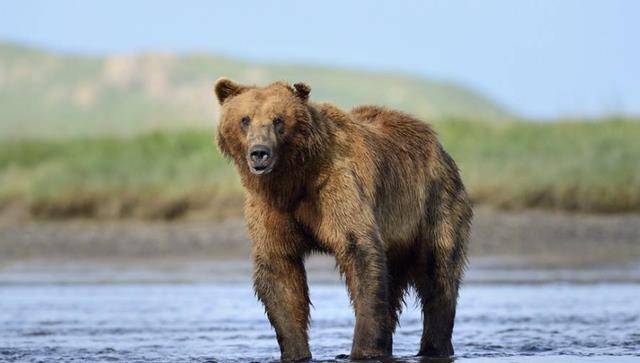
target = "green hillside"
x: 574, y: 166
x: 51, y: 94
x: 138, y: 138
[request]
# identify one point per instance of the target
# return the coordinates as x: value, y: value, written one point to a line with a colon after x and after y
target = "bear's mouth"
x: 261, y: 168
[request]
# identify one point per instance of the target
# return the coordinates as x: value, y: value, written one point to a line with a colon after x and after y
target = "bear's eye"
x: 278, y: 124
x: 245, y: 121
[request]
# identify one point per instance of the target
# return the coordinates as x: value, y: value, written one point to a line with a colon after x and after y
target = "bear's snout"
x: 260, y: 159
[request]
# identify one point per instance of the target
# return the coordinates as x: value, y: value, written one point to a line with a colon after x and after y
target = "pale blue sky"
x: 544, y: 58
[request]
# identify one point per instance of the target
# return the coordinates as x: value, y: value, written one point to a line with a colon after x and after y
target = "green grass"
x: 574, y: 166
x: 150, y: 175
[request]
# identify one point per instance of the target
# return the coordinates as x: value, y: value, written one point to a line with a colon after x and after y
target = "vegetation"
x: 588, y: 166
x: 130, y: 136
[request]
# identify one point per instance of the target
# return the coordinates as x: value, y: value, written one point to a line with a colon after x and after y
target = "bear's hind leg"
x: 399, y: 278
x: 437, y: 277
x: 438, y: 314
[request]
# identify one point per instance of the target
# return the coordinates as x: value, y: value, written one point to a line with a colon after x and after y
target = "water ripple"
x: 225, y: 323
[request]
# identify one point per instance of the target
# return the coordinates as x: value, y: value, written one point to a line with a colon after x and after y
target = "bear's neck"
x: 286, y: 187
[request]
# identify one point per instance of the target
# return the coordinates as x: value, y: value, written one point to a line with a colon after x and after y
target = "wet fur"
x: 373, y: 187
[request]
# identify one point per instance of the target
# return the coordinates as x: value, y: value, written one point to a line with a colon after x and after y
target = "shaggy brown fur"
x: 372, y: 187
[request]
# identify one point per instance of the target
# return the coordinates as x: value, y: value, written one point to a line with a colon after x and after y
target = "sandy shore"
x: 501, y: 241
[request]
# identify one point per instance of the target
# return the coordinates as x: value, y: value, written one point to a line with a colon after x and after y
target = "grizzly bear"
x: 371, y: 186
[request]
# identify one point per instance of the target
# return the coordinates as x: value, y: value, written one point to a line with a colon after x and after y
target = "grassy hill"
x: 44, y: 93
x: 138, y: 141
x: 573, y: 166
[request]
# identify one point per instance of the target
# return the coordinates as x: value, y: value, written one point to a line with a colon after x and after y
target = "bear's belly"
x: 398, y: 223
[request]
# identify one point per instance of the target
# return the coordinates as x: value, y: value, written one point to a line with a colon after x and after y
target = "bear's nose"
x: 259, y: 153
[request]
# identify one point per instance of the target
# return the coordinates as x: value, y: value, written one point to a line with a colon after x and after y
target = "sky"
x: 539, y: 59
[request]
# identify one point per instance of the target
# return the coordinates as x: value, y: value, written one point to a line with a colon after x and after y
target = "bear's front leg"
x: 279, y: 278
x: 363, y: 262
x: 347, y: 225
x: 281, y: 285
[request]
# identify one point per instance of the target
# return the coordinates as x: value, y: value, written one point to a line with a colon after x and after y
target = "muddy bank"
x: 503, y: 240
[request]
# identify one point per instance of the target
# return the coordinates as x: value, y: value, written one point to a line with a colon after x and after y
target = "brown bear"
x: 371, y: 186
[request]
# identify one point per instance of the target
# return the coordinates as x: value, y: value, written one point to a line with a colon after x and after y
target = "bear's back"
x: 395, y: 125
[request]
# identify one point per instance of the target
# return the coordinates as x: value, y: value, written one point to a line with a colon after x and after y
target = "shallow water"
x: 223, y: 322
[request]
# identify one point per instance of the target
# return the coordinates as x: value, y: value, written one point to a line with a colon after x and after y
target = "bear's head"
x: 264, y: 129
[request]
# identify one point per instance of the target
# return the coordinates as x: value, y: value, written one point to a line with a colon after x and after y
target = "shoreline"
x: 320, y: 271
x: 530, y: 246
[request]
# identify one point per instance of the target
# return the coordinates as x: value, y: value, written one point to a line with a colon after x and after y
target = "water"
x: 201, y: 322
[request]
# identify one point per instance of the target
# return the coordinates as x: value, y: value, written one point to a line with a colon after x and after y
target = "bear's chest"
x: 317, y: 226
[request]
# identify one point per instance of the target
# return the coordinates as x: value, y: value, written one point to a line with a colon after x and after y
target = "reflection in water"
x: 224, y: 323
x: 345, y: 357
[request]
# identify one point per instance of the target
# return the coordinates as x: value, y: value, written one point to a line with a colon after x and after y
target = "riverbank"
x: 531, y: 245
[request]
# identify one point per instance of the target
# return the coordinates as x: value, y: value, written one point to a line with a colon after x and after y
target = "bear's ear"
x: 302, y: 91
x: 226, y: 88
